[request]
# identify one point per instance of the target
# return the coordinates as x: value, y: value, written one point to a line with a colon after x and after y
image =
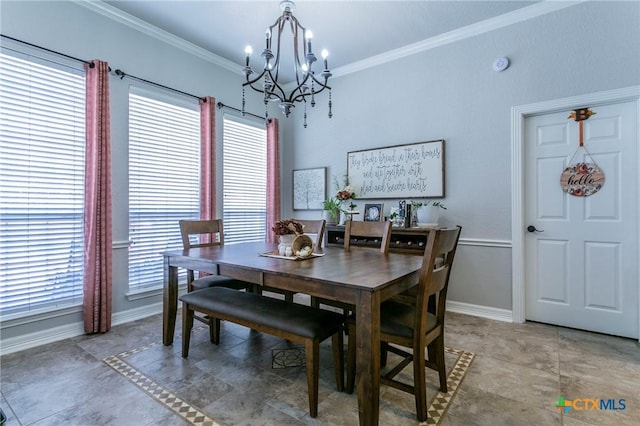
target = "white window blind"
x: 42, y: 152
x: 244, y: 180
x: 164, y: 181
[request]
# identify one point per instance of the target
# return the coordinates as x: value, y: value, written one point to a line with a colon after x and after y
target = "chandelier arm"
x: 281, y: 95
x: 299, y: 88
x: 276, y: 64
x: 295, y: 27
x: 302, y: 96
x: 322, y: 85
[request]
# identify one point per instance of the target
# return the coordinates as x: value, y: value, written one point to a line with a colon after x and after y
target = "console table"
x: 403, y: 240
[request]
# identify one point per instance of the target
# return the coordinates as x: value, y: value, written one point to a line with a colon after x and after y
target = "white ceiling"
x: 351, y: 30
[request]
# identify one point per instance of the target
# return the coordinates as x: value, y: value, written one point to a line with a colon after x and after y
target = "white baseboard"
x: 136, y: 314
x: 488, y: 312
x: 50, y: 335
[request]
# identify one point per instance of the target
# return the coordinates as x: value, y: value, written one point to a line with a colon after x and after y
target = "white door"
x: 581, y: 263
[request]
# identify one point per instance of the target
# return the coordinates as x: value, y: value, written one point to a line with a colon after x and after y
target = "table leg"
x: 169, y: 302
x: 368, y: 357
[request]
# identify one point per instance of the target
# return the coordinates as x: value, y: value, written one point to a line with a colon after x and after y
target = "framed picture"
x: 413, y: 170
x: 309, y: 188
x: 373, y: 212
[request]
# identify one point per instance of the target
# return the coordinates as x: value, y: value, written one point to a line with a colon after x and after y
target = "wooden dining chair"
x: 206, y: 233
x: 360, y: 235
x: 416, y: 324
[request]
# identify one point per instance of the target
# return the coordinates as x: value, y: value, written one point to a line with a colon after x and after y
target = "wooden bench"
x: 298, y: 323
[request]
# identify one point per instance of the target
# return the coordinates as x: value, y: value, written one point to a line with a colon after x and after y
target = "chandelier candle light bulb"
x: 325, y: 55
x: 308, y: 35
x: 248, y: 51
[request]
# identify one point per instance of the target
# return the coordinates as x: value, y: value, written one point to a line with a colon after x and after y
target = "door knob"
x: 532, y: 228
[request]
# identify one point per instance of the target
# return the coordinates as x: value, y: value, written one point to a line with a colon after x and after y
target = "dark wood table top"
x: 358, y: 269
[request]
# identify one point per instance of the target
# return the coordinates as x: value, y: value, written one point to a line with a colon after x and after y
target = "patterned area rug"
x: 284, y: 358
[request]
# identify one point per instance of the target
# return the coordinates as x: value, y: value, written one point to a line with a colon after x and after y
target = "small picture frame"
x: 373, y: 212
x: 309, y: 188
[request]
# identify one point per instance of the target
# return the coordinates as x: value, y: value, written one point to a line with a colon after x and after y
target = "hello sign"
x: 582, y: 179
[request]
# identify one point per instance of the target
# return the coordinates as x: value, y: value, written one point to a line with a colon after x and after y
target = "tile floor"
x: 519, y: 372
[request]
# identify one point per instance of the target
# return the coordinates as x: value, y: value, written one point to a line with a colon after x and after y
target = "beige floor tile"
x: 474, y: 406
x: 531, y: 386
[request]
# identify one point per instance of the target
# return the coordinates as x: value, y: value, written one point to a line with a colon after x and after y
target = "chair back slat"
x: 210, y: 233
x: 363, y: 229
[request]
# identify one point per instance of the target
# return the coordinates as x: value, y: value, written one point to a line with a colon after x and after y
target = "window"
x: 164, y: 180
x: 244, y: 180
x: 42, y: 143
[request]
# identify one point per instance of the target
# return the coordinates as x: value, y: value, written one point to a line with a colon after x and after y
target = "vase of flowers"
x: 287, y: 231
x: 344, y: 194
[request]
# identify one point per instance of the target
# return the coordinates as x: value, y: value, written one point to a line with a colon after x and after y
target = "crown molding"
x: 539, y: 9
x: 482, y: 27
x: 144, y: 27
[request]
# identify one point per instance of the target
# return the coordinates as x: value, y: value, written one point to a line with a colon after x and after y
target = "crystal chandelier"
x: 307, y: 84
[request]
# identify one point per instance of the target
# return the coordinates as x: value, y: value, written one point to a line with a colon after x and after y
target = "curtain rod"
x: 123, y: 74
x: 91, y: 65
x: 221, y: 105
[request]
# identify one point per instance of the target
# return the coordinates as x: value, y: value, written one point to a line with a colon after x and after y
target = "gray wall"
x: 452, y: 93
x: 449, y: 92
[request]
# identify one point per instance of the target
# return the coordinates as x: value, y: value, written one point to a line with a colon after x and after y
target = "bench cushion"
x: 293, y: 318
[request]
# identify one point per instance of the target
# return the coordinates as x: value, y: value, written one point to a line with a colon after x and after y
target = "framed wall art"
x: 373, y: 212
x: 402, y: 171
x: 309, y: 188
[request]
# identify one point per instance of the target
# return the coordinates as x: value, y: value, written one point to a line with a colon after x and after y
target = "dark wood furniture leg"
x: 368, y: 357
x: 187, y: 326
x: 169, y: 302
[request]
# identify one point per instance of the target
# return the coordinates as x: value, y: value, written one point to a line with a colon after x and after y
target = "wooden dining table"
x: 363, y: 278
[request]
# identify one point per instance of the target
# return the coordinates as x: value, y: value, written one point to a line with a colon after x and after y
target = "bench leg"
x: 187, y: 325
x: 312, y: 351
x: 337, y: 343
